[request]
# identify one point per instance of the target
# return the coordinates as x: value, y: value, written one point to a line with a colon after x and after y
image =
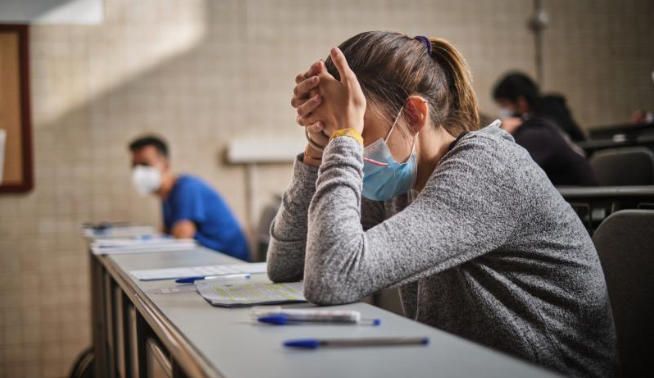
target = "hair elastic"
x: 425, y: 41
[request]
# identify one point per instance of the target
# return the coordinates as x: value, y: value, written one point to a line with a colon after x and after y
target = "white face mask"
x: 146, y: 179
x: 505, y: 113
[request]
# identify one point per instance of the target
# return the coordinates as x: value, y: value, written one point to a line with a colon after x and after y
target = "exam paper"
x: 198, y: 271
x: 120, y: 232
x: 247, y: 293
x: 154, y: 244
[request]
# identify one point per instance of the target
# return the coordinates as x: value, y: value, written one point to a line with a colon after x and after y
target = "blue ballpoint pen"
x: 284, y: 319
x: 360, y: 342
x: 188, y: 280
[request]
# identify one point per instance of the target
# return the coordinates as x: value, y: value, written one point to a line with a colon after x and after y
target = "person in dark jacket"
x: 517, y: 94
x: 553, y: 153
x: 544, y: 126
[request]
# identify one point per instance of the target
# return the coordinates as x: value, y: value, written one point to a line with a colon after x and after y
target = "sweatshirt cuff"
x: 343, y: 151
x: 304, y: 173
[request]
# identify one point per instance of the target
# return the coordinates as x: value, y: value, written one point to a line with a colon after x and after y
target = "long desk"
x: 594, y: 204
x: 138, y: 333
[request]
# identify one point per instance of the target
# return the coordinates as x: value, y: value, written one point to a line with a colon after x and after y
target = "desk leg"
x: 110, y: 322
x: 136, y: 336
x: 98, y: 322
x: 158, y: 362
x: 119, y: 331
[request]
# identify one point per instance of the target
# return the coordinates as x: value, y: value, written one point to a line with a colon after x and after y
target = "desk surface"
x: 232, y: 345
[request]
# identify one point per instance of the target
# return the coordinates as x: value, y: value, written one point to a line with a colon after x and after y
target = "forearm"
x: 289, y: 229
x: 344, y: 261
x: 183, y: 229
x: 335, y: 234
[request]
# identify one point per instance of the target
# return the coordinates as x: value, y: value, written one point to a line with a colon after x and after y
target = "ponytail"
x: 463, y: 114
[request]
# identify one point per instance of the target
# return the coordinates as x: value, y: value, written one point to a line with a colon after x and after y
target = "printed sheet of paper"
x: 247, y: 293
x: 150, y: 245
x: 124, y: 232
x: 198, y: 271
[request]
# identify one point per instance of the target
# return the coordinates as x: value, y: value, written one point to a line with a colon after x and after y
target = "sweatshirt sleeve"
x: 464, y: 212
x: 288, y: 232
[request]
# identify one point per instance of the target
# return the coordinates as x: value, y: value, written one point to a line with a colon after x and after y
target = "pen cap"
x: 303, y: 343
x: 274, y: 319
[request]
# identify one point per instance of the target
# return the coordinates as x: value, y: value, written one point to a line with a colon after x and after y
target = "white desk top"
x: 238, y: 347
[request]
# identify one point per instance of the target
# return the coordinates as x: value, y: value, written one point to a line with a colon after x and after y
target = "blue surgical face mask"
x: 383, y: 177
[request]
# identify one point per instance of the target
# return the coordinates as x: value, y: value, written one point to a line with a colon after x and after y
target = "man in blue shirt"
x: 191, y: 208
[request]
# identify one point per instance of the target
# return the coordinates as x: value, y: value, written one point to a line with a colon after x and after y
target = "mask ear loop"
x: 397, y: 118
x: 413, y: 143
x: 388, y: 135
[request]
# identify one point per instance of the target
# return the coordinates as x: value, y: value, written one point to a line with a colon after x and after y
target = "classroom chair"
x: 625, y: 243
x: 624, y: 166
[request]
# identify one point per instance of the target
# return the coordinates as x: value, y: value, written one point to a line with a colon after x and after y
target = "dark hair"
x: 391, y: 67
x: 150, y: 140
x: 515, y: 85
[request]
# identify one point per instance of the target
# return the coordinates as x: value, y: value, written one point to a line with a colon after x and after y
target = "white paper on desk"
x: 197, y: 271
x: 121, y: 232
x: 150, y: 245
x: 247, y: 293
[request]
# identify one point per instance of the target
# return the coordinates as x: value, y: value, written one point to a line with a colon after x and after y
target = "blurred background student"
x: 544, y: 126
x: 190, y: 207
x: 519, y: 96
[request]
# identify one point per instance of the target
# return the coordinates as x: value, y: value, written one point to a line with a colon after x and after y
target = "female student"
x: 405, y: 192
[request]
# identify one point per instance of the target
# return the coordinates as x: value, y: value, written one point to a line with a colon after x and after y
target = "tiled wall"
x: 201, y: 72
x: 599, y: 53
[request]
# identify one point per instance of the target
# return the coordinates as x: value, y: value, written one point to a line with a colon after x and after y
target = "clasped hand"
x: 325, y: 104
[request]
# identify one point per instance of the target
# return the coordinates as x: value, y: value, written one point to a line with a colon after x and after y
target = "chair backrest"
x: 594, y: 203
x: 625, y: 243
x: 624, y: 166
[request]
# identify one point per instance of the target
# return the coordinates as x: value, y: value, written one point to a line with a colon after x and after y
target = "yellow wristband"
x: 349, y: 132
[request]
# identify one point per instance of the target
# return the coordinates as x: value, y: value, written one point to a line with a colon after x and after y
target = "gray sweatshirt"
x: 488, y: 250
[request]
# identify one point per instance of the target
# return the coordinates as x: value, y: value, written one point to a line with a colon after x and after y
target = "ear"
x: 417, y: 113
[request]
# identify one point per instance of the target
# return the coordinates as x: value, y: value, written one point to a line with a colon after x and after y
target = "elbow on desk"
x: 285, y: 261
x: 327, y: 295
x: 320, y: 287
x: 279, y: 274
x: 332, y: 271
x: 327, y: 290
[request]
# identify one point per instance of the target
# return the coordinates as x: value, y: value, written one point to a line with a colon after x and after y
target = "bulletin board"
x: 15, y: 121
